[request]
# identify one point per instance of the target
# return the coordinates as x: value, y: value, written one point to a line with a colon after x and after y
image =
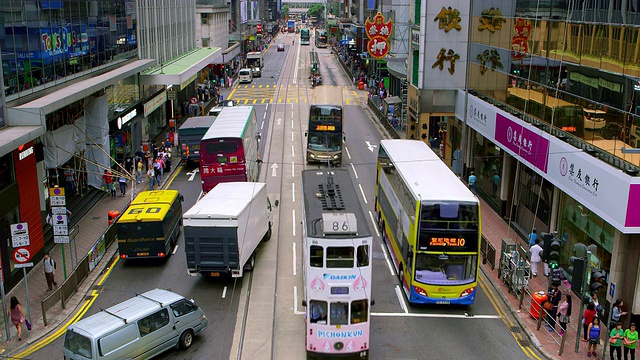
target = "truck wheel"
x: 267, y: 236
x: 186, y: 340
x: 251, y: 263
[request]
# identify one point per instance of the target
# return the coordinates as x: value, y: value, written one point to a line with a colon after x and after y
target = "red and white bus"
x: 337, y: 267
x: 229, y: 150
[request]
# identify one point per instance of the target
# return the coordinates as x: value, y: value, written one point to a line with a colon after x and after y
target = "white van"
x: 594, y: 119
x: 245, y: 75
x: 139, y: 328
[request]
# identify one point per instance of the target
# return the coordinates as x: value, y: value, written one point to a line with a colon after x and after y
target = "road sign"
x: 58, y: 200
x: 60, y: 219
x: 25, y: 265
x: 59, y: 210
x: 61, y: 239
x: 20, y: 241
x: 21, y: 255
x: 60, y: 230
x: 19, y: 229
x: 56, y: 191
x: 193, y: 100
x: 612, y: 290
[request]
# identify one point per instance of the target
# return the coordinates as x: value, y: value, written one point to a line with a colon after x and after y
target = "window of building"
x: 204, y: 18
x: 205, y: 42
x: 6, y: 170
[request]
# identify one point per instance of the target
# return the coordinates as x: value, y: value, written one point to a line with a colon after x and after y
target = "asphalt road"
x: 271, y: 325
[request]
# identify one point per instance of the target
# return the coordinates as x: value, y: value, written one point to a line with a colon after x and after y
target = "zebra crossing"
x: 254, y: 94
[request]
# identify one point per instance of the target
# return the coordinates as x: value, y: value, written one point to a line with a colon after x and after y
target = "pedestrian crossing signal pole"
x: 581, y: 297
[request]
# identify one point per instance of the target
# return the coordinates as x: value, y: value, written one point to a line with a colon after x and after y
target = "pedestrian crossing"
x: 253, y: 94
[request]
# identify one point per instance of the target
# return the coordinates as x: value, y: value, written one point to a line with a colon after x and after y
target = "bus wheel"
x: 401, y: 277
x: 267, y: 236
x: 186, y: 339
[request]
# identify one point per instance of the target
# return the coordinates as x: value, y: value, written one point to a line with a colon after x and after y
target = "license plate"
x: 215, y: 274
x: 443, y: 302
x: 143, y: 254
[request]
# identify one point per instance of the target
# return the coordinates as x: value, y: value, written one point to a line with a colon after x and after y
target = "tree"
x: 316, y: 10
x: 285, y: 11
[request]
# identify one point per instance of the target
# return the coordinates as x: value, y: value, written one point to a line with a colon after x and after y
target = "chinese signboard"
x: 378, y: 33
x: 520, y: 40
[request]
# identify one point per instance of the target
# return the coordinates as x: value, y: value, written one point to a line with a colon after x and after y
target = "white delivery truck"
x: 223, y: 230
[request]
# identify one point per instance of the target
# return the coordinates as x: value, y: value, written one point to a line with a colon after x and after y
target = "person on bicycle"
x: 293, y: 42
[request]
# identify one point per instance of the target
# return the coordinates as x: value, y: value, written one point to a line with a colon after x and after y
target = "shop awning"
x: 13, y: 136
x: 227, y: 54
x: 393, y: 100
x: 397, y: 67
x: 181, y: 70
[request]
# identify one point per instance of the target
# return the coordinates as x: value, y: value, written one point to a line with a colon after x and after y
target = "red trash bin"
x: 537, y: 299
x: 361, y: 85
x: 112, y: 215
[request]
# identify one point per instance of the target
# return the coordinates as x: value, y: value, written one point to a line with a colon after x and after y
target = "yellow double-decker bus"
x: 150, y: 226
x: 430, y: 222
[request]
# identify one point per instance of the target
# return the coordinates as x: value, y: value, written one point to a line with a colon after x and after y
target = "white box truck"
x: 223, y: 230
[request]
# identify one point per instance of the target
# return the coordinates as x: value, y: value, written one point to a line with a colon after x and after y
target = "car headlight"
x: 336, y: 156
x: 312, y: 156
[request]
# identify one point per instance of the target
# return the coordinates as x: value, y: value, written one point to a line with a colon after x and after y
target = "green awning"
x: 181, y: 70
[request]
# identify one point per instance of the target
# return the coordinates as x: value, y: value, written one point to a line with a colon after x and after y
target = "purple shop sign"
x: 530, y: 146
x: 633, y: 207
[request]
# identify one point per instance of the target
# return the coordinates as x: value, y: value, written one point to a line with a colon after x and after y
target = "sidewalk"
x: 494, y: 229
x: 89, y: 229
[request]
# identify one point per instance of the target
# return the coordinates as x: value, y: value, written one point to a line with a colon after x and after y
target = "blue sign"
x: 612, y: 290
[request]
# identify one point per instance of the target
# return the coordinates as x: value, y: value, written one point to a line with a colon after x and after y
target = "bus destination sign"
x: 325, y: 127
x: 448, y: 242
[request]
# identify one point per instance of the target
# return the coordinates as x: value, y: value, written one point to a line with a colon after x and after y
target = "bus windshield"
x: 440, y: 269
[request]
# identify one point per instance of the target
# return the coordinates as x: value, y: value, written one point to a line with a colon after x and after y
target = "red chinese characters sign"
x: 378, y: 33
x: 520, y: 40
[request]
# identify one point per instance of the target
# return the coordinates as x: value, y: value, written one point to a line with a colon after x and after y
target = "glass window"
x: 224, y: 147
x: 340, y: 257
x: 363, y: 255
x: 339, y: 313
x: 153, y: 322
x: 442, y: 269
x: 183, y: 307
x: 359, y: 311
x: 6, y: 170
x: 318, y: 312
x: 78, y: 344
x: 316, y: 255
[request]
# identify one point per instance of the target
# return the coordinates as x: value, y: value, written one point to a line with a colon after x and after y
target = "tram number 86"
x: 336, y: 226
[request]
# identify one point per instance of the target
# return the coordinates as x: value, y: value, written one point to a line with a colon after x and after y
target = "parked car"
x: 593, y: 119
x: 215, y: 111
x: 611, y: 131
x: 280, y: 47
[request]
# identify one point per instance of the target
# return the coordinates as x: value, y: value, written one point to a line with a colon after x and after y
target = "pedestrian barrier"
x: 491, y: 256
x: 382, y: 119
x: 71, y: 284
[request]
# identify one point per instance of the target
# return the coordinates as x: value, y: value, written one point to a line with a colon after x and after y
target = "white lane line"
x: 362, y: 191
x: 401, y: 299
x: 224, y: 292
x: 174, y: 250
x: 293, y: 152
x: 293, y: 192
x: 295, y: 266
x: 375, y: 224
x: 265, y: 110
x: 292, y: 136
x: 201, y: 194
x: 262, y: 125
x: 265, y: 114
x: 292, y: 123
x: 386, y: 258
x: 293, y: 223
x: 441, y: 316
x: 348, y: 154
x: 354, y: 170
x: 292, y: 115
x: 295, y: 302
x: 293, y: 166
x: 295, y: 71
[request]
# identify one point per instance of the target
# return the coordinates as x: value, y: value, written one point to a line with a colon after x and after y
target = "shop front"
x: 558, y: 188
x: 125, y: 134
x: 154, y: 116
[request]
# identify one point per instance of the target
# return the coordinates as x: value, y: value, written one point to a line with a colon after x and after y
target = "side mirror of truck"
x: 276, y: 203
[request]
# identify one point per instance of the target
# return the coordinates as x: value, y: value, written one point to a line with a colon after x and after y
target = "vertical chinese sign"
x: 378, y: 33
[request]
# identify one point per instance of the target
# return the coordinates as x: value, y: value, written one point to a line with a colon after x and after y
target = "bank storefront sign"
x: 605, y: 190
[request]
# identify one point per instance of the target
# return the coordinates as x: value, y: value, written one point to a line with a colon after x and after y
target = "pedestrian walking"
x: 107, y: 178
x: 49, y: 271
x: 472, y: 181
x: 70, y: 180
x: 594, y: 337
x: 123, y: 185
x: 533, y: 237
x: 615, y: 341
x: 554, y: 296
x: 535, y: 258
x: 587, y: 318
x: 140, y: 168
x: 564, y: 313
x: 16, y: 315
x: 151, y: 176
x: 630, y: 338
x: 617, y: 312
x: 496, y: 183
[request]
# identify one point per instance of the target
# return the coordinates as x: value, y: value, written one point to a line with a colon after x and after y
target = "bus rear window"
x: 221, y: 147
x: 140, y: 230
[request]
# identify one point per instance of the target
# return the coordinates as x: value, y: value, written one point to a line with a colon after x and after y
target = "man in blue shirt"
x: 472, y: 181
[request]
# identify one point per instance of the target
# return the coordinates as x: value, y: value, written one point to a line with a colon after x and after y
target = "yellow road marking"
x: 255, y: 101
x: 279, y: 100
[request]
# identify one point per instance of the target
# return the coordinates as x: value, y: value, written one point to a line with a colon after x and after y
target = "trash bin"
x: 361, y: 85
x: 537, y: 299
x: 112, y: 215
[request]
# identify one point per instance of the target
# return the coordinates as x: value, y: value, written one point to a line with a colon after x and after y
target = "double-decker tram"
x: 430, y: 222
x: 325, y: 136
x: 337, y: 267
x: 305, y: 36
x: 321, y: 38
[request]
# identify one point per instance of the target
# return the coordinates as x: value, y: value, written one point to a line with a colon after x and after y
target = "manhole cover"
x: 515, y: 329
x: 524, y: 343
x: 95, y: 217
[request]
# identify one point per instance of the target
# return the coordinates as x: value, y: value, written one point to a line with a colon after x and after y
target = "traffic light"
x: 577, y: 273
x: 554, y: 253
x: 546, y: 246
x: 597, y: 278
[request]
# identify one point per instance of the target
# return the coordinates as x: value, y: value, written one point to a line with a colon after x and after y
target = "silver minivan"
x: 139, y: 328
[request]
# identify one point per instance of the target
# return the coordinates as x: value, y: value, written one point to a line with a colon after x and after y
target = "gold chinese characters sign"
x: 378, y: 33
x: 489, y: 56
x: 449, y: 56
x: 491, y: 20
x: 448, y: 19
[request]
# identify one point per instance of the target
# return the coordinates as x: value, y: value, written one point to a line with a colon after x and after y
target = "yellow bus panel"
x: 156, y: 197
x: 145, y: 213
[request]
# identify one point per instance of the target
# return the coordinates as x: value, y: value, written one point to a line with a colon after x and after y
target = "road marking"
x: 348, y: 154
x: 292, y: 123
x: 293, y: 153
x: 295, y: 302
x: 293, y: 192
x: 224, y: 292
x: 362, y: 191
x: 293, y: 166
x: 370, y: 146
x: 375, y: 224
x: 278, y: 121
x: 295, y: 270
x: 264, y: 116
x: 354, y: 170
x: 295, y: 71
x: 292, y: 136
x: 293, y: 223
x: 267, y: 108
x: 386, y: 258
x: 274, y: 168
x: 262, y: 125
x: 441, y: 316
x: 175, y: 249
x: 401, y: 299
